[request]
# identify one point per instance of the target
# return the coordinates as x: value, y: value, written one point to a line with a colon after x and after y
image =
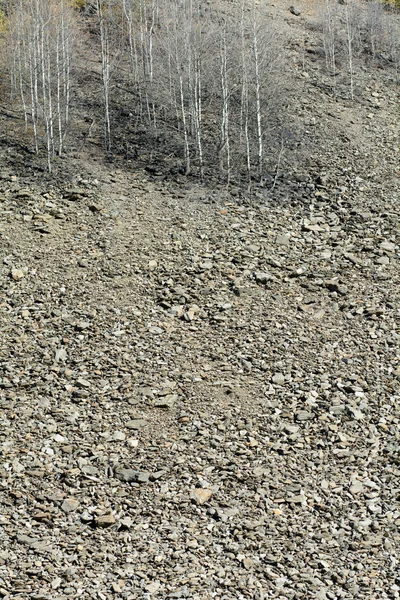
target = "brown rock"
x: 105, y: 520
x: 200, y: 495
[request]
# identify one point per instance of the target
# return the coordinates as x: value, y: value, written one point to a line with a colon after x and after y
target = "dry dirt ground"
x: 199, y: 392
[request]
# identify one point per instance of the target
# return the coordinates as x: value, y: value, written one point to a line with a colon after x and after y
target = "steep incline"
x: 199, y: 393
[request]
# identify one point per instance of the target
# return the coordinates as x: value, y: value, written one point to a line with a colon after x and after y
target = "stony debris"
x: 199, y: 388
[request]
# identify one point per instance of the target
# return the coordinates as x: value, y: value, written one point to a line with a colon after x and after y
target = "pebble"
x: 166, y: 402
x: 153, y: 264
x: 153, y: 588
x: 117, y: 436
x: 60, y: 355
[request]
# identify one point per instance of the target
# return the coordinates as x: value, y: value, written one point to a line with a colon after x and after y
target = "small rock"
x: 152, y: 265
x: 247, y: 563
x: 69, y: 591
x: 55, y: 584
x: 166, y: 402
x: 283, y: 239
x: 192, y: 312
x: 388, y: 246
x: 303, y: 415
x: 83, y: 383
x: 156, y: 330
x: 297, y: 499
x: 69, y: 505
x: 356, y: 487
x: 262, y: 277
x: 132, y: 476
x: 295, y: 11
x: 152, y: 588
x: 132, y: 442
x: 136, y: 424
x: 357, y: 414
x: 117, y: 436
x: 17, y: 274
x: 278, y: 379
x: 26, y: 539
x: 200, y: 495
x: 86, y: 517
x: 157, y: 475
x: 104, y: 521
x: 61, y: 355
x: 126, y: 522
x: 337, y: 409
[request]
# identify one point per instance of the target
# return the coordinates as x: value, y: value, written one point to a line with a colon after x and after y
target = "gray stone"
x: 303, y: 415
x: 70, y: 504
x: 132, y: 476
x: 283, y: 239
x: 117, y: 436
x: 295, y: 11
x: 278, y: 379
x: 262, y: 277
x: 388, y: 246
x: 356, y: 487
x: 136, y: 424
x: 166, y: 402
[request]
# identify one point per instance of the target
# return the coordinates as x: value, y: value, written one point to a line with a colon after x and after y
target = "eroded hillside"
x: 200, y: 385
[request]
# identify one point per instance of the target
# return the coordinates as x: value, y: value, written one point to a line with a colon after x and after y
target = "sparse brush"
x: 359, y: 31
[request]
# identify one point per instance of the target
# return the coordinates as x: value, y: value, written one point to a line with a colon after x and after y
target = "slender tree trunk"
x: 257, y: 86
x: 349, y: 28
x: 225, y: 141
x: 105, y: 69
x: 184, y: 124
x: 198, y: 115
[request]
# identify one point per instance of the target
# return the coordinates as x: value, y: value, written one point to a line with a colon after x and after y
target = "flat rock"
x: 356, y: 487
x: 136, y: 424
x: 104, y: 521
x: 70, y: 504
x: 388, y: 246
x: 303, y: 415
x: 283, y: 239
x: 132, y: 476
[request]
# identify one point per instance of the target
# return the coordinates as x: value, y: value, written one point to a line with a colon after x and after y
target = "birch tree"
x: 42, y: 36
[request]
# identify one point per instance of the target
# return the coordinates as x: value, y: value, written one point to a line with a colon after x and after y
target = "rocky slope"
x: 199, y: 394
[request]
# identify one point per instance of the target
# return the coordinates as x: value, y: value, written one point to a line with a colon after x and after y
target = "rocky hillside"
x: 199, y: 393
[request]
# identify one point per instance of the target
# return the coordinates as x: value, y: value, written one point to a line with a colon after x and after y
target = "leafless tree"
x: 42, y: 35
